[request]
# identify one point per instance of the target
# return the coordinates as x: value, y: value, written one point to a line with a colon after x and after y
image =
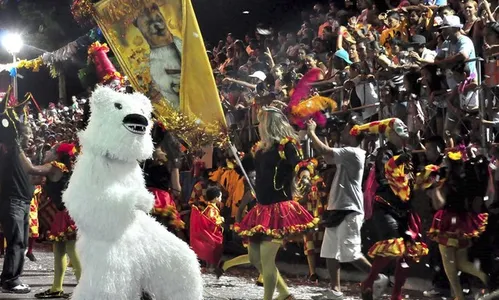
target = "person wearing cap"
x: 456, y: 49
x: 259, y: 77
x: 419, y: 53
x: 341, y: 60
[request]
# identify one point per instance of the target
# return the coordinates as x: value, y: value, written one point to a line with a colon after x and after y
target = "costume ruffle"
x: 63, y: 227
x: 33, y: 213
x: 277, y: 220
x: 399, y: 247
x: 457, y: 229
x: 164, y: 206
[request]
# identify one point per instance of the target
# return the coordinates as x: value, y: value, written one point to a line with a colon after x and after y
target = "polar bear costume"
x: 123, y: 250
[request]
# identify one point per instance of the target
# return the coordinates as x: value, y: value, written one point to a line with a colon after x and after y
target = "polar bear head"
x: 119, y: 126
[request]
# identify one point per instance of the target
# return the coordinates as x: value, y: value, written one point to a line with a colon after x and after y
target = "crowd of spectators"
x: 415, y: 60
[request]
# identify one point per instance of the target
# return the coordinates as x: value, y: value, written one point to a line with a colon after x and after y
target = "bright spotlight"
x: 12, y: 43
x: 246, y: 12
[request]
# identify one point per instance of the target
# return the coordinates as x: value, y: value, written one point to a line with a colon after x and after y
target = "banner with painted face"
x: 160, y: 48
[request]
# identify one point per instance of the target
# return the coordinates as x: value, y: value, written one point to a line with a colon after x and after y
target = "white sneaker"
x: 333, y: 295
x: 380, y: 286
x: 434, y: 293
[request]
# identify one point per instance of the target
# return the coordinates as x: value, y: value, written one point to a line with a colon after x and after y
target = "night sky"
x: 216, y: 18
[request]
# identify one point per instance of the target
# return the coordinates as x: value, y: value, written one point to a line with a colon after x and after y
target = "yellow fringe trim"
x: 277, y: 233
x: 398, y: 248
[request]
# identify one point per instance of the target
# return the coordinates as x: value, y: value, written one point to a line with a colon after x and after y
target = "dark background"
x: 216, y: 18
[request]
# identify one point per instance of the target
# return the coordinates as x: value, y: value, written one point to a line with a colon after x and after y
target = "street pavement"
x: 236, y: 284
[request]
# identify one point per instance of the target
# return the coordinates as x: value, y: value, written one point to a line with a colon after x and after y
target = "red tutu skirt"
x: 278, y: 220
x: 63, y: 227
x: 457, y: 229
x: 165, y: 207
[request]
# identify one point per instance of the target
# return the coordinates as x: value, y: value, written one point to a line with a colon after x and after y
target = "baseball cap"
x: 260, y: 75
x: 451, y: 22
x: 417, y: 40
x: 343, y: 55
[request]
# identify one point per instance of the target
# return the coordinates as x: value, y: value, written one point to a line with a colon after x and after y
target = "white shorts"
x: 343, y: 242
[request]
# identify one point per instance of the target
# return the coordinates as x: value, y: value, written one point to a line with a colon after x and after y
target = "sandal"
x: 48, y: 294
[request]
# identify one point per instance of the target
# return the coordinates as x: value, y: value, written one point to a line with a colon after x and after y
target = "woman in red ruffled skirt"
x: 62, y: 230
x: 455, y: 224
x: 276, y: 215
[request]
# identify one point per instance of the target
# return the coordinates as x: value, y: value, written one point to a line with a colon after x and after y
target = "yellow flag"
x: 198, y: 90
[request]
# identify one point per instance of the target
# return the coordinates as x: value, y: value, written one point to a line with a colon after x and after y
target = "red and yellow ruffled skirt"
x: 165, y: 207
x: 33, y: 219
x: 410, y: 247
x: 457, y: 229
x: 278, y: 220
x: 33, y: 213
x: 63, y: 227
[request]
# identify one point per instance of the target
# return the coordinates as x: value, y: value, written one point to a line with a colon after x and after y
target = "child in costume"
x: 455, y: 224
x: 276, y: 215
x: 397, y: 223
x: 63, y: 230
x: 207, y: 229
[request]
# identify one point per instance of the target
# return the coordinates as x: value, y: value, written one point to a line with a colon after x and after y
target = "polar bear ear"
x: 144, y: 101
x: 102, y: 94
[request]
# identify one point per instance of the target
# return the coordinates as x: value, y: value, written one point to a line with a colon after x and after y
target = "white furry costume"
x: 123, y: 251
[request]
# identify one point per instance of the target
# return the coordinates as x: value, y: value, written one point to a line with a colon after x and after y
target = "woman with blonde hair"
x: 276, y: 215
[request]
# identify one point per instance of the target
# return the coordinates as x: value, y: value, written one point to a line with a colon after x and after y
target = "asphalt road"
x: 238, y: 283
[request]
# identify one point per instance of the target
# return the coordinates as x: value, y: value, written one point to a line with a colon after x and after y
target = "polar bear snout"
x: 135, y: 123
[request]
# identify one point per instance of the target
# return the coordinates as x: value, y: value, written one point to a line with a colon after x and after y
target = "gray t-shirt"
x: 346, y: 190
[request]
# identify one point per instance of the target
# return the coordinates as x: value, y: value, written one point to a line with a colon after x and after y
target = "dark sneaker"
x: 48, y: 294
x: 31, y: 256
x: 18, y: 289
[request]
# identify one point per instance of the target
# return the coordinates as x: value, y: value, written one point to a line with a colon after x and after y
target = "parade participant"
x: 15, y: 196
x: 206, y: 238
x: 2, y: 243
x: 276, y: 215
x: 398, y: 225
x: 311, y: 199
x: 434, y: 153
x: 345, y: 210
x: 248, y: 201
x: 162, y: 180
x: 455, y: 224
x: 63, y: 230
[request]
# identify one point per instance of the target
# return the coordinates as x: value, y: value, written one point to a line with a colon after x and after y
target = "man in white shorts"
x: 344, y: 216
